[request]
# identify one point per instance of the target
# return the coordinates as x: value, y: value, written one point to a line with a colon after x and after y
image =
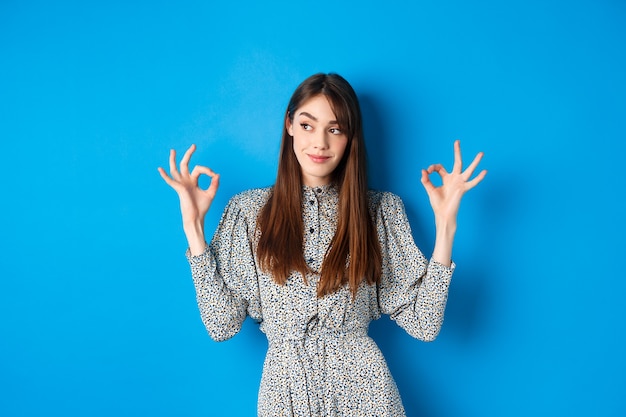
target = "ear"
x: 289, y: 125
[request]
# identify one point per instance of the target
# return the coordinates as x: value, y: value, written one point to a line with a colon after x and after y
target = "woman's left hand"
x: 446, y: 199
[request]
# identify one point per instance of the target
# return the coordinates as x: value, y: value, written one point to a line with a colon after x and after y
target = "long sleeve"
x: 225, y: 276
x: 413, y: 291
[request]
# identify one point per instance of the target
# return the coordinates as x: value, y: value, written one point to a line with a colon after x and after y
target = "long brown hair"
x: 354, y: 252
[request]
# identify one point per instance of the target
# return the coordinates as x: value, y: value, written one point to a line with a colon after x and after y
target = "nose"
x: 320, y: 140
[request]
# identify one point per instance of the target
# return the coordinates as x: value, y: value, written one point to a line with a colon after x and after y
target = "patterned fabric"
x: 320, y: 360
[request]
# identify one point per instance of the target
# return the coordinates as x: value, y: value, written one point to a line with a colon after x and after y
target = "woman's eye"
x: 335, y: 131
x: 306, y: 126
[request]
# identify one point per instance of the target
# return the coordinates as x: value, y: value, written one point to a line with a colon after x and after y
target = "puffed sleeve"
x: 413, y: 291
x: 225, y: 275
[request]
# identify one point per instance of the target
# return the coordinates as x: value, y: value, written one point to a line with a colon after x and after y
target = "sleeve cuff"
x: 198, y: 259
x: 441, y: 267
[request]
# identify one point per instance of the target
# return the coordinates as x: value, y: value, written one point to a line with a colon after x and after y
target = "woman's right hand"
x: 194, y: 201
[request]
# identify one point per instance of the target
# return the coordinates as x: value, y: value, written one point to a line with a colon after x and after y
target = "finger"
x: 215, y: 184
x: 438, y: 168
x: 473, y: 183
x: 458, y: 161
x: 426, y: 182
x: 166, y: 177
x: 173, y: 169
x: 215, y: 178
x: 470, y: 169
x: 184, y: 163
x: 199, y: 170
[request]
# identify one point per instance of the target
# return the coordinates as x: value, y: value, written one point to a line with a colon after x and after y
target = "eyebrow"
x: 310, y: 116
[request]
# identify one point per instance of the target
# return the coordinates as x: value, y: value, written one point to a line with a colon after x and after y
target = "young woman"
x: 318, y: 256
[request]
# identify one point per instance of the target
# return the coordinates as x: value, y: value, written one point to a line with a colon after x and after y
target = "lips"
x: 318, y: 159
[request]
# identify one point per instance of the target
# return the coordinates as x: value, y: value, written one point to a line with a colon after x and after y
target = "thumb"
x: 426, y: 182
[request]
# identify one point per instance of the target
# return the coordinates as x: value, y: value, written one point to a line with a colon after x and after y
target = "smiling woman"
x: 318, y: 140
x: 318, y: 256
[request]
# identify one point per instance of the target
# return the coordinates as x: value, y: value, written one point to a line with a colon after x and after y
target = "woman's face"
x: 318, y: 142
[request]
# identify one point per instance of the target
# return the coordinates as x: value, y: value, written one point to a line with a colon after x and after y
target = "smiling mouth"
x: 318, y: 158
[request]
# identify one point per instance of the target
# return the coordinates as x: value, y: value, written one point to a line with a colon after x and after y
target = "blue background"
x: 97, y: 308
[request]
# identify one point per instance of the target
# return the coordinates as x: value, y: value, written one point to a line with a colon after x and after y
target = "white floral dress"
x: 320, y: 360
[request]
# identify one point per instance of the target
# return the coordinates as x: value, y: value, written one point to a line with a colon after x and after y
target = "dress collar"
x: 327, y: 189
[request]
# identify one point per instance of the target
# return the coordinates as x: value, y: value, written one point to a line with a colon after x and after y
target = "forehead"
x: 318, y: 107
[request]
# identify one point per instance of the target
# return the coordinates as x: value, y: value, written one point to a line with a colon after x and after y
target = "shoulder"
x: 383, y: 200
x: 387, y: 208
x: 250, y: 201
x: 253, y: 196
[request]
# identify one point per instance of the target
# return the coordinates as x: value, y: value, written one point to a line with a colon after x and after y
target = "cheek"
x: 341, y: 147
x: 297, y: 147
x: 297, y: 143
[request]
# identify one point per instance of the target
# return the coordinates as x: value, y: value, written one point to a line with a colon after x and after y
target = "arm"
x: 225, y: 289
x: 222, y: 311
x: 413, y: 291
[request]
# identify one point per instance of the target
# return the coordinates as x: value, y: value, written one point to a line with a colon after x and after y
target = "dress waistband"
x: 317, y: 332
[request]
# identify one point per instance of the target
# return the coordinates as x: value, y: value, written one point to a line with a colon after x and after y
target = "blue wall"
x: 97, y: 308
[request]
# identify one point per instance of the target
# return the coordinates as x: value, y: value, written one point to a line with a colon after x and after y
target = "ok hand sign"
x: 446, y: 199
x: 194, y: 201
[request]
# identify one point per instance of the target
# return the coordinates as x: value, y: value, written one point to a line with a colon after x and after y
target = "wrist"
x: 195, y: 225
x: 194, y: 231
x: 445, y: 227
x: 444, y: 240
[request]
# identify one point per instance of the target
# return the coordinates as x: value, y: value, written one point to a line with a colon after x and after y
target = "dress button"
x: 310, y: 260
x: 318, y: 190
x: 311, y: 202
x: 311, y: 230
